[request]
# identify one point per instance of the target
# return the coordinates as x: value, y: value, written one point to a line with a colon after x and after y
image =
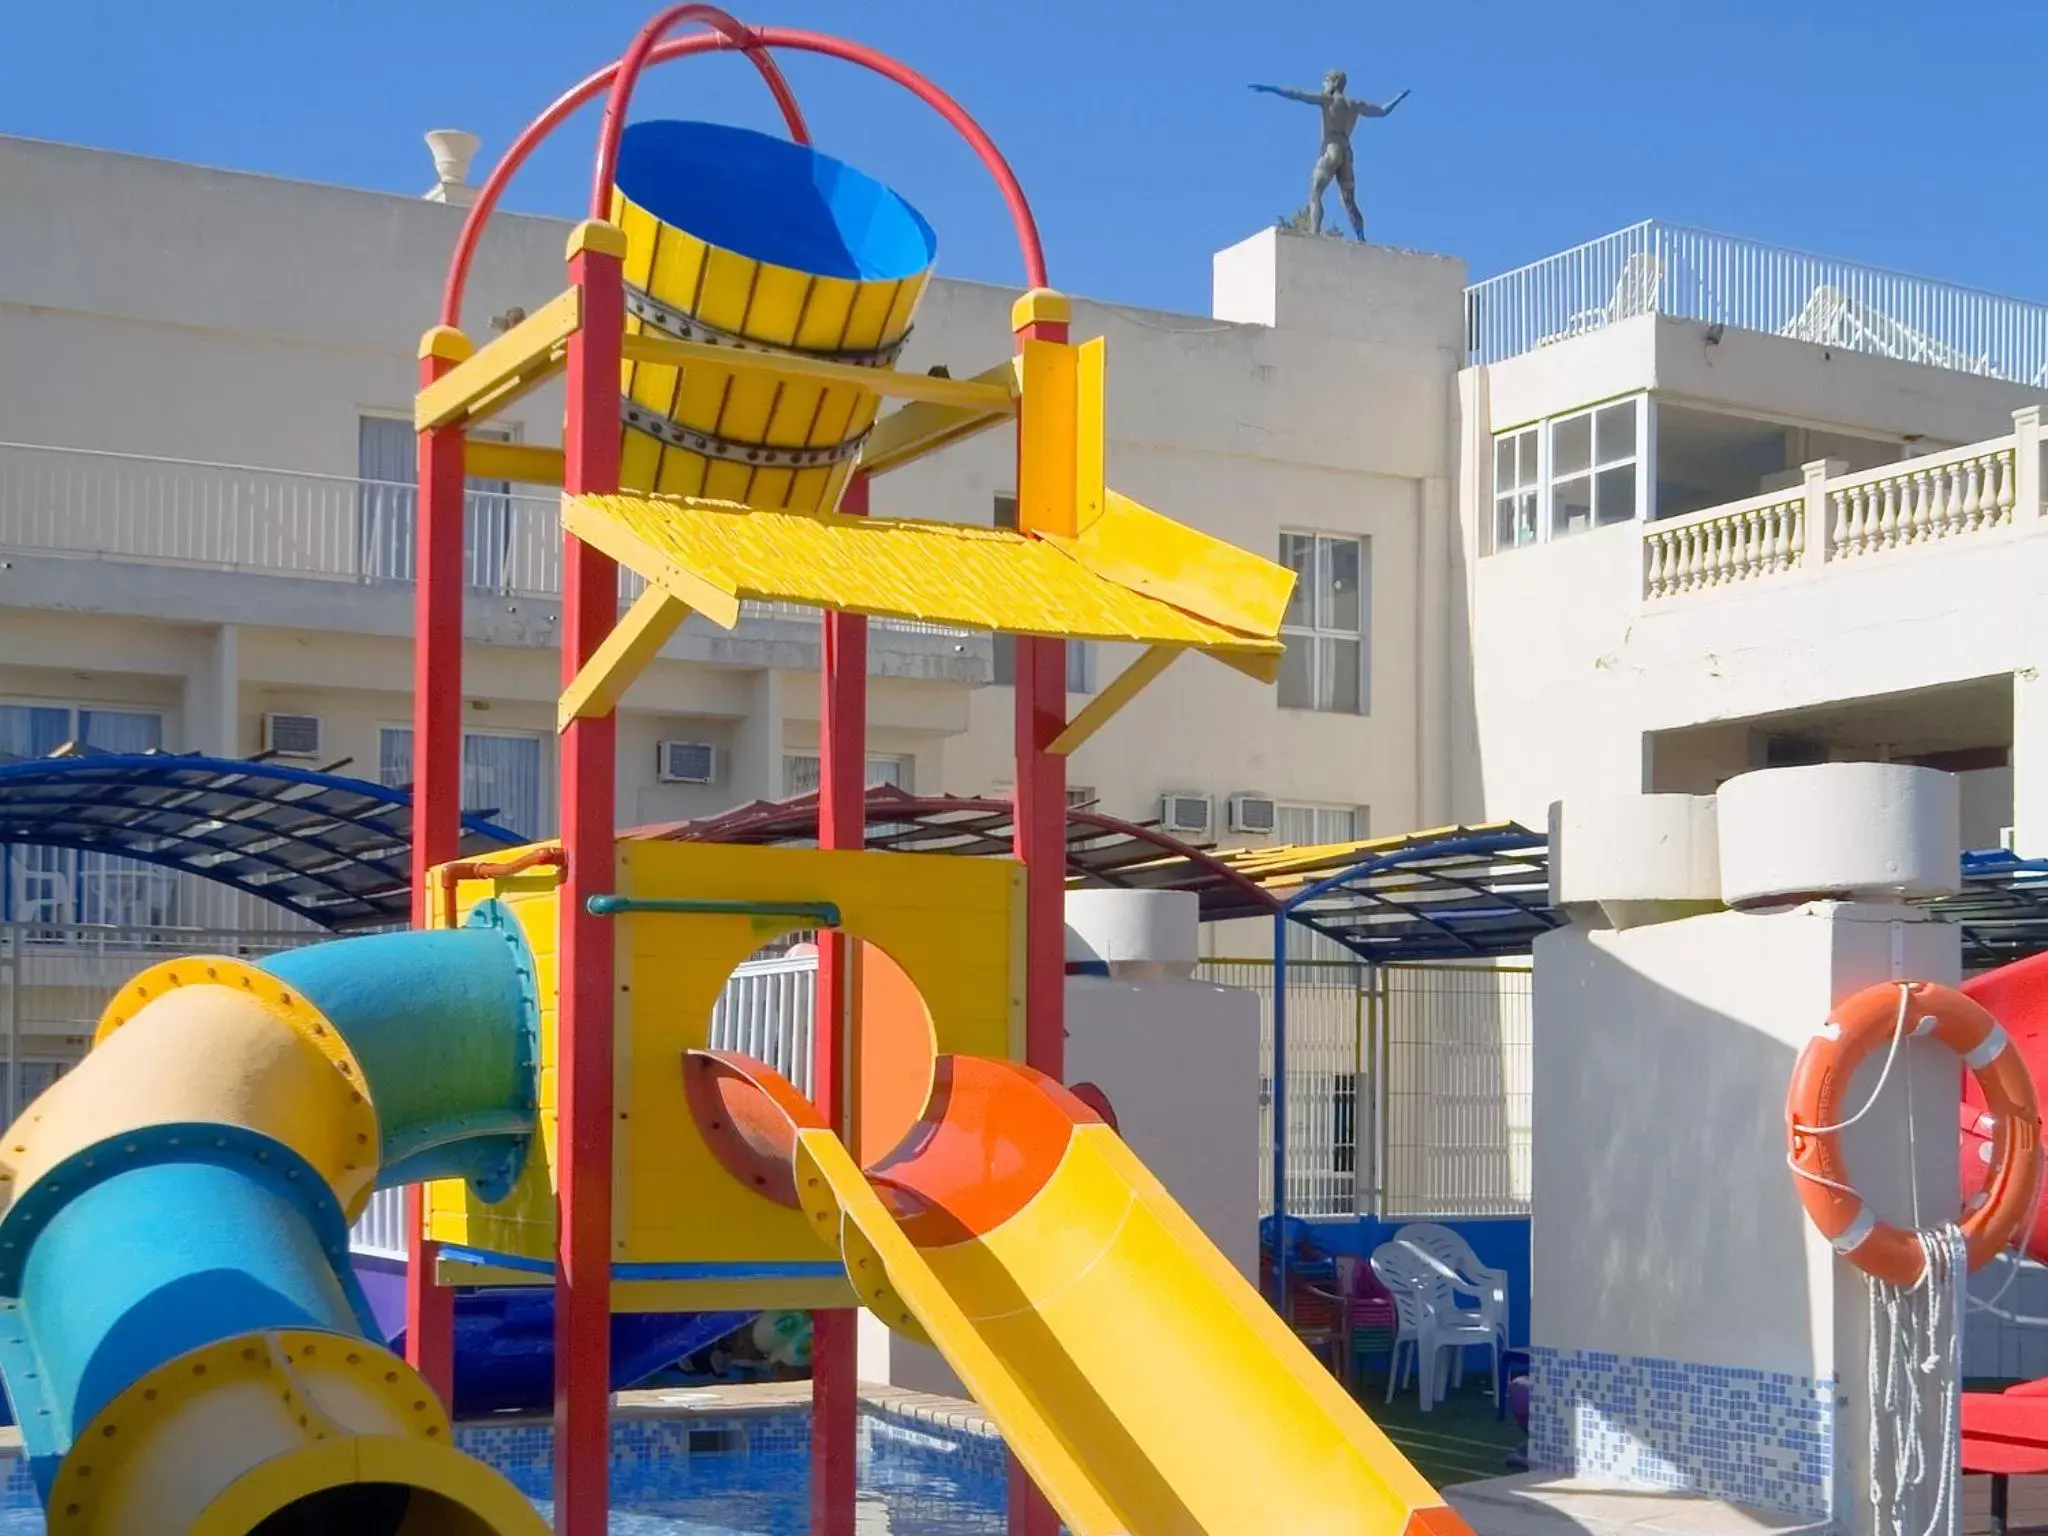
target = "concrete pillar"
x: 2030, y: 763
x: 757, y: 742
x: 1435, y: 527
x: 212, y: 703
x: 1692, y: 1330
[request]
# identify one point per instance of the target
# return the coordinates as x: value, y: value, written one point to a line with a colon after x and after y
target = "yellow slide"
x: 1146, y: 1387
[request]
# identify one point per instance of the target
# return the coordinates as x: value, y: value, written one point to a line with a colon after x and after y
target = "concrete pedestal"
x: 1692, y: 1330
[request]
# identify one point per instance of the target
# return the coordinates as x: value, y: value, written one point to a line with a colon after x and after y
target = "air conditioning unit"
x: 686, y: 762
x: 1256, y: 814
x: 1184, y: 815
x: 292, y: 735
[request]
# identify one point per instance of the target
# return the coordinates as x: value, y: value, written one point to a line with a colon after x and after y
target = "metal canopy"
x: 1101, y: 850
x: 335, y: 850
x: 1454, y: 893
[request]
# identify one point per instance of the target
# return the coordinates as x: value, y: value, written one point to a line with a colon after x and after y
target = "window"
x: 1568, y: 474
x: 1593, y: 469
x: 1311, y: 826
x: 1080, y: 653
x: 503, y: 775
x: 387, y: 477
x: 1517, y: 484
x: 800, y: 772
x: 60, y: 885
x: 1299, y: 825
x: 1328, y: 665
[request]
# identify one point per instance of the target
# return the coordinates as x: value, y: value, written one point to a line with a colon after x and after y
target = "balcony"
x: 73, y: 503
x: 1655, y: 268
x: 1968, y: 494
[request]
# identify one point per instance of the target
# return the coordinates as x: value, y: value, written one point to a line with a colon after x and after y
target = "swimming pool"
x: 738, y: 1475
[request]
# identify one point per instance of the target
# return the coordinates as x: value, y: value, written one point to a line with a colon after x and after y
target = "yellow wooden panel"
x: 868, y: 325
x: 1045, y: 439
x: 823, y: 328
x: 516, y: 362
x: 947, y: 573
x: 1138, y: 548
x: 623, y: 654
x: 948, y: 922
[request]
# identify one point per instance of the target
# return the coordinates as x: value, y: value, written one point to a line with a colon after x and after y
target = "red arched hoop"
x: 755, y: 42
x: 727, y: 33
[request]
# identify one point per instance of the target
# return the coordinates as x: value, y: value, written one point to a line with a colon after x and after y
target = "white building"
x: 1640, y: 516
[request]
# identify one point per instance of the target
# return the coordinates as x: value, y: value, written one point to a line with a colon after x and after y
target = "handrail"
x: 656, y: 52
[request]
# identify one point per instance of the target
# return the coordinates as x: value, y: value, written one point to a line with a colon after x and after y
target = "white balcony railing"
x: 1654, y: 268
x: 1961, y: 493
x: 236, y: 517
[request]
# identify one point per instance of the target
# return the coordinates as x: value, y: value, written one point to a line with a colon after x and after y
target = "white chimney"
x: 453, y: 149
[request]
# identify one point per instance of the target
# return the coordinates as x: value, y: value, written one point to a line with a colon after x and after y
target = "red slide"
x: 2005, y: 1434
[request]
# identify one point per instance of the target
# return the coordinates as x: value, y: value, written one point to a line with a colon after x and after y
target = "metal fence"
x: 1695, y: 274
x: 239, y: 517
x: 1408, y: 1087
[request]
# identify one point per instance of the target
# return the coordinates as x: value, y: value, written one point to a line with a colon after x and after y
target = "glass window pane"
x: 893, y: 771
x: 1335, y: 824
x: 799, y: 773
x: 120, y: 730
x: 1504, y: 473
x: 1504, y: 522
x: 501, y: 778
x: 1614, y: 495
x: 1080, y: 666
x: 1295, y: 825
x: 1614, y: 431
x: 32, y: 730
x: 394, y: 756
x: 1571, y: 445
x: 1338, y: 684
x: 1296, y: 691
x: 1571, y: 506
x: 1344, y: 608
x: 1527, y: 437
x: 1525, y: 517
x: 1298, y: 554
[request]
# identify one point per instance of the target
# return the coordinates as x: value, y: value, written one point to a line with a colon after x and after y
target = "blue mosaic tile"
x: 1762, y: 1439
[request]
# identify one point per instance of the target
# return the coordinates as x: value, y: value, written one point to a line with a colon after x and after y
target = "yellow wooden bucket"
x: 738, y: 239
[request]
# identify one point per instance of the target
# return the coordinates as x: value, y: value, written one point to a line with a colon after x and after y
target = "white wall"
x: 171, y: 310
x: 1666, y: 1223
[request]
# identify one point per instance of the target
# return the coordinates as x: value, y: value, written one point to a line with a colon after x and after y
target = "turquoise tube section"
x: 215, y: 1236
x: 446, y: 1026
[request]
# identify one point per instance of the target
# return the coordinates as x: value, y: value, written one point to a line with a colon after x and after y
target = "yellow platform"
x: 712, y: 555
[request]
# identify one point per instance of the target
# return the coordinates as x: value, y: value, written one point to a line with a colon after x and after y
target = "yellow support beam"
x: 925, y: 426
x: 1047, y: 440
x: 531, y: 352
x: 634, y: 641
x: 1121, y: 689
x: 527, y: 464
x: 666, y: 351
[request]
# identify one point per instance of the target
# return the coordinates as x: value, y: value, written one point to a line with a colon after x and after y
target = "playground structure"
x: 531, y: 1055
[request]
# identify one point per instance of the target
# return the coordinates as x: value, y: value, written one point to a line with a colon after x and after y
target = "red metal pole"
x: 1040, y: 842
x: 842, y: 823
x: 583, y: 1191
x: 436, y: 794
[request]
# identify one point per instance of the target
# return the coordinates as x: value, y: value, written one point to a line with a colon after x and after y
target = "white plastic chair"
x: 1467, y: 1277
x: 1427, y: 1319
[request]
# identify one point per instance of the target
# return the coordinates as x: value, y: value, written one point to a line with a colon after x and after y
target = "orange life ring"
x: 1820, y: 1081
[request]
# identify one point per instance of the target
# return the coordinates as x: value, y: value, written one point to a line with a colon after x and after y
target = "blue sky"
x: 1890, y: 131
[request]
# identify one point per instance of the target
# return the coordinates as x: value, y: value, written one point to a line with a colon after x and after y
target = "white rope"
x: 1916, y: 1353
x: 1890, y: 1056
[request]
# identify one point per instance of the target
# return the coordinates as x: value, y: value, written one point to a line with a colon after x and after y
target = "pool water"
x: 756, y: 1482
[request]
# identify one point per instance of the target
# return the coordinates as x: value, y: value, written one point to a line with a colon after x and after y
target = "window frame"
x: 1548, y: 480
x: 1315, y: 631
x: 549, y: 821
x: 79, y: 876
